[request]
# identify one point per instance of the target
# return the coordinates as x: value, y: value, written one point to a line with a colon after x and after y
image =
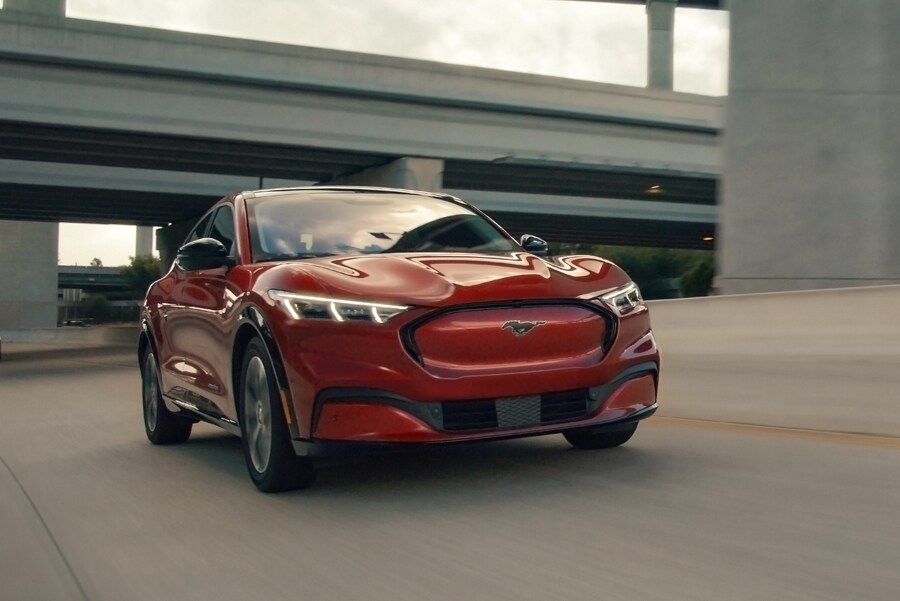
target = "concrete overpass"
x: 91, y: 279
x: 110, y: 123
x: 809, y: 196
x: 110, y: 97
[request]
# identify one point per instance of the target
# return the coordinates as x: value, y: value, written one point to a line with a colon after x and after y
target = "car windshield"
x: 312, y: 223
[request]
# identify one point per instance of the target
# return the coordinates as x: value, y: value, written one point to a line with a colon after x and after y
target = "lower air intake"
x: 514, y: 412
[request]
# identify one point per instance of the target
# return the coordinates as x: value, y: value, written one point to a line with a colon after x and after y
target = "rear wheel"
x: 161, y: 425
x: 600, y: 439
x: 270, y: 457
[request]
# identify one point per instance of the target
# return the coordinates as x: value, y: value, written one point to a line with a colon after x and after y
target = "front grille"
x: 514, y: 412
x: 564, y: 333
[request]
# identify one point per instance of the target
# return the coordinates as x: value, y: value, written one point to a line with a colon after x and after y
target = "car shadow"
x: 479, y: 472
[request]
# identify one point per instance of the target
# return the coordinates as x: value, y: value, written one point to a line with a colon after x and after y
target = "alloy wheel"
x: 151, y: 392
x: 258, y: 414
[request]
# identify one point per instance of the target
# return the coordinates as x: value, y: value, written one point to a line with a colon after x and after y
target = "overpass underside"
x: 105, y: 123
x: 79, y: 198
x: 117, y: 124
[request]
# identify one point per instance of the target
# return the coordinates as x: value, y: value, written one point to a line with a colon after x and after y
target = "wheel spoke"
x: 257, y: 414
x: 151, y: 401
x: 253, y: 433
x: 263, y: 442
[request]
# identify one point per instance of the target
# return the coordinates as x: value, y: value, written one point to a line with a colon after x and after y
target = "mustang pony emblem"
x: 520, y: 328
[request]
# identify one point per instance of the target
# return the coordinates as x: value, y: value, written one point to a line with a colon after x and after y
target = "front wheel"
x: 161, y: 425
x: 270, y: 457
x: 600, y: 439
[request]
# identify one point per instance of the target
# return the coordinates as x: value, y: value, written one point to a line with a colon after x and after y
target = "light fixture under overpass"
x: 574, y: 163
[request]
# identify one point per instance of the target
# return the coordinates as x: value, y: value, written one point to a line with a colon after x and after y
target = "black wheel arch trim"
x: 252, y: 316
x: 146, y: 330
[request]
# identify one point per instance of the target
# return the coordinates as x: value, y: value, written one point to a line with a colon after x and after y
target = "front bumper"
x: 375, y: 416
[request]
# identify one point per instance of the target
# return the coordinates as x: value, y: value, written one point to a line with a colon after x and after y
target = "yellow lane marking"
x: 822, y: 435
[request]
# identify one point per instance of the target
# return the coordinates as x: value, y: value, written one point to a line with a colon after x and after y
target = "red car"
x: 309, y: 320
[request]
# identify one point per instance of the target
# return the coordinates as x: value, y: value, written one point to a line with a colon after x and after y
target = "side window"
x: 199, y: 230
x: 223, y: 228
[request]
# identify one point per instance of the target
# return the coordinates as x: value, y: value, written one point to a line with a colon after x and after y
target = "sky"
x: 593, y: 41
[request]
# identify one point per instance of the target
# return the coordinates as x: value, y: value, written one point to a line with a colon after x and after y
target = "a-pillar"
x: 29, y: 274
x: 55, y: 8
x: 409, y: 173
x: 143, y: 241
x: 660, y: 43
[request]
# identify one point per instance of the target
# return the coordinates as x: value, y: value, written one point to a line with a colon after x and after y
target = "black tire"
x: 599, y: 439
x: 270, y: 457
x: 161, y: 425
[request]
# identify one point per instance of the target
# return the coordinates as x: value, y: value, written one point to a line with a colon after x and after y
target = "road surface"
x: 693, y: 508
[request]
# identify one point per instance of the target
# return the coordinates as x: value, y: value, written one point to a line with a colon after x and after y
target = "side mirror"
x: 204, y: 253
x: 533, y: 244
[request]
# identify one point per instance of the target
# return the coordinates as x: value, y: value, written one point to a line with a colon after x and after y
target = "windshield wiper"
x: 292, y: 256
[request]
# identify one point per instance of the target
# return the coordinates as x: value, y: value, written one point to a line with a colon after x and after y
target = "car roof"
x: 357, y: 189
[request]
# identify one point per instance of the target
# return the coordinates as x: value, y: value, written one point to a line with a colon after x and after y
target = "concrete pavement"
x: 684, y: 511
x: 770, y: 472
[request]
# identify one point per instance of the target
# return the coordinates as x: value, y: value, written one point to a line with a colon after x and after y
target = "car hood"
x: 438, y: 279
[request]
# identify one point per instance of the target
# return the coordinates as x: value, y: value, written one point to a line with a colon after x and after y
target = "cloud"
x: 582, y: 40
x: 701, y: 51
x: 79, y: 243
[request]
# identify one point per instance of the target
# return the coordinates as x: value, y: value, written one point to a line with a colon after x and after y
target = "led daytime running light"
x: 624, y: 300
x: 331, y: 308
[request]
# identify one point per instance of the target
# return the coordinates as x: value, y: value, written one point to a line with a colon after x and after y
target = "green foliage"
x: 659, y: 272
x: 141, y: 272
x: 97, y: 307
x: 697, y: 280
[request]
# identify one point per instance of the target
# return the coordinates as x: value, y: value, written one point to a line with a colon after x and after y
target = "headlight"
x: 623, y: 300
x: 301, y: 306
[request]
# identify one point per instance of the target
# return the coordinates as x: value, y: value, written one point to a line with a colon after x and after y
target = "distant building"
x: 76, y: 284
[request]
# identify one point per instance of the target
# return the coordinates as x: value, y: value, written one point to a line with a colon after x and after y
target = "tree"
x: 140, y: 273
x: 659, y: 272
x: 97, y: 307
x: 697, y: 280
x: 95, y: 262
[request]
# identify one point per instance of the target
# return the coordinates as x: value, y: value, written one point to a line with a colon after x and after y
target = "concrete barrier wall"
x: 854, y: 321
x: 92, y: 335
x: 844, y: 321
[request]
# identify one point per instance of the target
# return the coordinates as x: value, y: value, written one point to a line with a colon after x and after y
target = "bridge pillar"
x: 408, y: 172
x: 810, y: 187
x: 169, y: 238
x: 28, y: 274
x: 143, y: 242
x: 660, y: 43
x: 56, y: 8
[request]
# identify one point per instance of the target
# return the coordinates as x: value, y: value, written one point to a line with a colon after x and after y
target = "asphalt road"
x: 693, y: 508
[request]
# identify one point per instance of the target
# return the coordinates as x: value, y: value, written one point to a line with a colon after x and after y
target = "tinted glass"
x: 314, y: 223
x: 199, y: 230
x: 223, y: 227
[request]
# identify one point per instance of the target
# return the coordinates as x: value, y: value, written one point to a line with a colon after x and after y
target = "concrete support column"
x: 170, y: 238
x: 55, y: 8
x: 29, y: 274
x: 409, y: 173
x: 143, y: 242
x: 810, y: 186
x: 660, y: 43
